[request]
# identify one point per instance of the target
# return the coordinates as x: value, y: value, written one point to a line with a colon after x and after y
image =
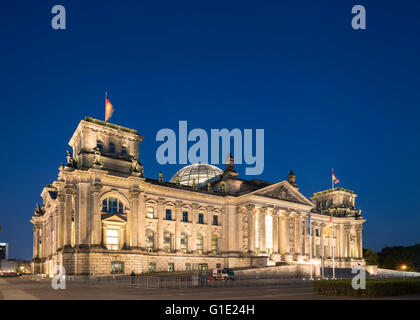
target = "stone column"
x: 194, y: 217
x: 82, y: 214
x: 96, y: 215
x: 141, y: 222
x: 67, y: 215
x: 359, y: 242
x: 286, y: 232
x: 251, y: 229
x: 261, y: 224
x: 297, y: 234
x: 36, y: 242
x: 132, y: 216
x: 209, y: 233
x: 160, y: 214
x: 178, y: 216
x: 275, y: 232
x: 61, y: 219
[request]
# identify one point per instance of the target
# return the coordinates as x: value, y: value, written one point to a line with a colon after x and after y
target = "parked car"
x: 223, y: 274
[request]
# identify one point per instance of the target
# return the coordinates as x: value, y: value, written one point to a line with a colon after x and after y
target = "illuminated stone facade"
x: 102, y: 216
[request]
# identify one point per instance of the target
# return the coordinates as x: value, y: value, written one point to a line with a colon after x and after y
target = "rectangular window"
x: 200, y: 218
x: 171, y: 267
x: 152, y: 267
x: 117, y: 267
x: 123, y: 151
x: 215, y: 220
x: 111, y: 148
x: 188, y: 266
x: 168, y: 214
x: 150, y: 213
x: 120, y: 207
x: 185, y: 216
x: 112, y: 239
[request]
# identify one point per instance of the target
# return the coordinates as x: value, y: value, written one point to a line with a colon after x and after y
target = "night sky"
x: 326, y: 95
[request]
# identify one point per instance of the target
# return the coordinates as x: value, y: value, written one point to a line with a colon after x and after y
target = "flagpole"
x: 310, y: 252
x: 322, y: 260
x: 106, y: 96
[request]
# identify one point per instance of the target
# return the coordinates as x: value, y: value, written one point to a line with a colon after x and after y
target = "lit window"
x: 214, y: 241
x: 218, y: 265
x: 185, y: 216
x: 215, y: 220
x: 152, y: 267
x: 200, y: 243
x: 123, y: 150
x: 184, y: 242
x: 112, y: 239
x: 150, y: 213
x: 112, y: 148
x: 200, y: 218
x: 117, y: 267
x: 167, y: 241
x: 168, y: 214
x: 149, y: 240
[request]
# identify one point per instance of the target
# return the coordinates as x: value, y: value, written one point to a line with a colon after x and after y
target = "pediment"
x: 113, y: 218
x: 284, y: 191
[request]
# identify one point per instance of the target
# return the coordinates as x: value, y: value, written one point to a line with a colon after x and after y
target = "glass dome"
x: 201, y: 172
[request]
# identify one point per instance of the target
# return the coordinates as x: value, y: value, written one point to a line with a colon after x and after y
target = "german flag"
x: 326, y: 231
x: 109, y: 109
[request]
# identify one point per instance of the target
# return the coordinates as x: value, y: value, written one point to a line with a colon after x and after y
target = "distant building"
x: 102, y: 216
x: 4, y: 251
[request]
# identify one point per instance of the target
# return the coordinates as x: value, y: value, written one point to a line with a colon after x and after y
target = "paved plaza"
x: 28, y: 288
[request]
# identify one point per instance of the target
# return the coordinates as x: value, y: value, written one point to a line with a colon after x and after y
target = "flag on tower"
x: 335, y: 180
x: 109, y: 109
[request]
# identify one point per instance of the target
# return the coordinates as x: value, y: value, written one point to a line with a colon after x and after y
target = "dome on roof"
x: 201, y: 172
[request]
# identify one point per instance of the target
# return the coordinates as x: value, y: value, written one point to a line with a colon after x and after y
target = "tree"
x: 371, y: 257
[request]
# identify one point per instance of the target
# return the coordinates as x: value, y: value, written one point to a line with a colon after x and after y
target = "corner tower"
x: 103, y: 145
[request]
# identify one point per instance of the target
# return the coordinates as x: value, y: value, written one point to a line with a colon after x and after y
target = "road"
x: 27, y: 288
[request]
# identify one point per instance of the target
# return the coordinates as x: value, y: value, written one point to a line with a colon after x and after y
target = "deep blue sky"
x: 326, y: 95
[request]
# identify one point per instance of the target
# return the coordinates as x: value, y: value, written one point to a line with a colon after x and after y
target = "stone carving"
x: 71, y: 162
x: 39, y: 211
x: 283, y: 193
x: 136, y: 167
x: 97, y: 158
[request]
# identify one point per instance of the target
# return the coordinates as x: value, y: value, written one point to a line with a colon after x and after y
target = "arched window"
x: 149, y: 240
x: 184, y: 242
x: 214, y: 244
x: 99, y: 145
x: 112, y: 148
x: 112, y: 205
x: 200, y: 243
x: 167, y: 241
